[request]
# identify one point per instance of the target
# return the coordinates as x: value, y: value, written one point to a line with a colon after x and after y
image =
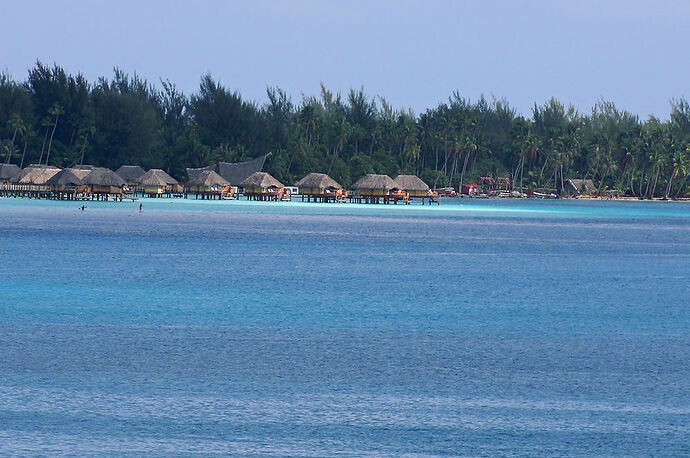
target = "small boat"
x: 541, y: 195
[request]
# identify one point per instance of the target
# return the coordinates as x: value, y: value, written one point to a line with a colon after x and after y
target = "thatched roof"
x: 318, y: 180
x: 81, y: 172
x: 9, y: 171
x: 34, y: 174
x: 155, y: 177
x: 103, y: 177
x: 261, y: 180
x: 192, y: 173
x: 67, y: 177
x: 237, y: 172
x: 373, y: 181
x: 207, y: 178
x: 411, y: 183
x: 130, y: 173
x: 573, y: 187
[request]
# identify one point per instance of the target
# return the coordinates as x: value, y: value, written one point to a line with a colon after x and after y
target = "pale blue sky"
x: 413, y: 53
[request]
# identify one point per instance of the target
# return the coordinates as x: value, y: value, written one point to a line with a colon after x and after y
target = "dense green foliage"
x: 61, y: 119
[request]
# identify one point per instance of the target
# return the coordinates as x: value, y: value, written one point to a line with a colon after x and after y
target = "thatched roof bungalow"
x: 374, y: 185
x: 262, y: 186
x: 208, y: 184
x: 193, y: 172
x: 104, y: 181
x: 156, y: 182
x: 130, y: 173
x: 412, y: 185
x: 67, y: 183
x: 8, y: 172
x: 67, y: 178
x: 34, y: 177
x: 320, y: 186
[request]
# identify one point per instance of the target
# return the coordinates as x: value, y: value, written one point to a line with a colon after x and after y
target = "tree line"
x: 60, y: 119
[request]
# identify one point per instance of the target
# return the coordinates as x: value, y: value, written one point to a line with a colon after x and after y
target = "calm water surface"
x: 470, y: 328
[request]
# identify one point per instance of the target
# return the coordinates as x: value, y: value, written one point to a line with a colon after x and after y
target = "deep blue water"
x: 471, y: 328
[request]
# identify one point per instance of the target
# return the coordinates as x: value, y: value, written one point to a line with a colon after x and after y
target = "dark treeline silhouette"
x: 60, y: 119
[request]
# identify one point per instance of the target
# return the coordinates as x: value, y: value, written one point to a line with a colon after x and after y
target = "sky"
x: 414, y: 54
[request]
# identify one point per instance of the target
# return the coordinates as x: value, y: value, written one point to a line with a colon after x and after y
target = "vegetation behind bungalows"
x: 61, y: 119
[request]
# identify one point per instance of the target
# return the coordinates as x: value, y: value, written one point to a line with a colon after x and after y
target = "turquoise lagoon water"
x: 477, y: 327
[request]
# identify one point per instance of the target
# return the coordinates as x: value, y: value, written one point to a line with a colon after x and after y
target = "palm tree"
x: 677, y: 166
x: 56, y: 110
x: 470, y: 147
x: 28, y: 132
x: 15, y: 122
x: 8, y: 148
x: 87, y: 130
x: 684, y: 168
x: 45, y: 122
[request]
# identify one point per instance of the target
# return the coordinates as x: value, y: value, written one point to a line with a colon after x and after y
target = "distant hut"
x: 320, y: 187
x: 68, y: 183
x: 373, y: 187
x: 7, y: 173
x: 262, y: 186
x: 412, y: 186
x: 193, y: 172
x: 209, y: 185
x: 104, y: 183
x: 156, y: 182
x: 470, y: 189
x: 574, y: 188
x: 130, y: 173
x: 32, y: 180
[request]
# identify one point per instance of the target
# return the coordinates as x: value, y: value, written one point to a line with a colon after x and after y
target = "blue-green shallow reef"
x: 475, y: 327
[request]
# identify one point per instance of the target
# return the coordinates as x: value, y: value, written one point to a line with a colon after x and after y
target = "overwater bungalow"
x: 193, y: 172
x: 68, y: 184
x: 262, y: 186
x: 321, y: 188
x: 209, y: 185
x: 413, y: 186
x: 7, y: 173
x: 156, y: 183
x: 130, y: 173
x: 31, y: 181
x: 372, y: 188
x: 104, y: 183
